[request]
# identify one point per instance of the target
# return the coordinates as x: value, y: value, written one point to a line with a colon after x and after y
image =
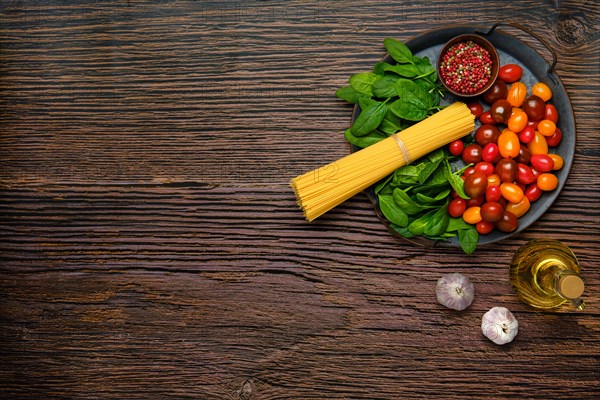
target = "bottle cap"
x: 571, y: 286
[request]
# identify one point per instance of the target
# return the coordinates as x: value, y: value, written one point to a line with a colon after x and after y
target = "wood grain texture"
x: 151, y: 246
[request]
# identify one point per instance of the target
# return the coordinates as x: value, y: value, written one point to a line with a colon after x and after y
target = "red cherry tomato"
x: 476, y: 109
x: 456, y: 147
x: 476, y: 202
x: 542, y: 162
x: 490, y: 152
x: 508, y: 144
x: 484, y: 227
x: 527, y: 134
x: 486, y: 118
x: 533, y: 192
x: 492, y: 194
x: 510, y: 73
x: 524, y: 155
x: 468, y: 171
x: 486, y: 168
x: 472, y: 154
x: 551, y: 113
x: 555, y: 139
x: 508, y: 223
x: 486, y: 134
x: 533, y: 124
x: 525, y: 174
x: 476, y: 184
x: 457, y: 207
x: 491, y: 212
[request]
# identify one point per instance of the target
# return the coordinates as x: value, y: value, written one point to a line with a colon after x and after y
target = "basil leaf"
x: 468, y: 239
x: 398, y: 50
x: 456, y: 183
x: 363, y: 141
x: 391, y: 211
x: 349, y: 94
x: 438, y: 222
x: 384, y: 87
x: 368, y: 120
x: 363, y: 82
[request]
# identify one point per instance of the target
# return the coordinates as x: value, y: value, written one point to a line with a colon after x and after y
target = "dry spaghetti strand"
x: 320, y: 190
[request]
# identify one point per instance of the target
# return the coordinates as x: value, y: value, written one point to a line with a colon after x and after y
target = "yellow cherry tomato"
x: 547, y: 182
x: 546, y: 127
x: 538, y: 145
x: 542, y: 91
x: 518, y: 121
x: 512, y: 192
x: 508, y: 144
x: 472, y: 215
x: 494, y: 179
x: 558, y: 161
x: 519, y: 209
x: 516, y: 94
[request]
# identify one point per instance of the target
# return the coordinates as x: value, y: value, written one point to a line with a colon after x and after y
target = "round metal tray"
x: 535, y: 69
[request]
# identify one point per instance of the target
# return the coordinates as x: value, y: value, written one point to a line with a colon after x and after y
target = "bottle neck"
x: 569, y: 286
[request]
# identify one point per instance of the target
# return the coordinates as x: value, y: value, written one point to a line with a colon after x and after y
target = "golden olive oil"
x: 545, y: 274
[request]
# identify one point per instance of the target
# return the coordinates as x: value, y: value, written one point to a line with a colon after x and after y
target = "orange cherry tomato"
x: 511, y: 192
x: 538, y: 145
x: 494, y: 179
x: 517, y: 121
x: 546, y: 127
x: 542, y: 91
x: 520, y: 208
x: 558, y: 161
x: 472, y: 215
x: 516, y: 94
x: 508, y: 144
x: 547, y: 182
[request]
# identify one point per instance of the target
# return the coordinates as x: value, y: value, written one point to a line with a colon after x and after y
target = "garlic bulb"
x: 455, y: 291
x: 499, y: 325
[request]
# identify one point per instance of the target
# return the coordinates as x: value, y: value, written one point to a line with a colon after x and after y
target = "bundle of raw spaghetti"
x: 320, y: 190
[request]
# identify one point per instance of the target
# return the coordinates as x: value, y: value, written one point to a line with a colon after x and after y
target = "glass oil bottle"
x: 546, y: 274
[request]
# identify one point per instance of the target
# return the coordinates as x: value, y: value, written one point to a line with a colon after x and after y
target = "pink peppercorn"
x: 466, y: 67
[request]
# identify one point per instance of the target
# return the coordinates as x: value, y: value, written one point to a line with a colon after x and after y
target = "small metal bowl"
x: 483, y: 43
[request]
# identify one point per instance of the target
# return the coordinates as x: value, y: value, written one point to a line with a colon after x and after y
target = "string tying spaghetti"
x: 402, y: 149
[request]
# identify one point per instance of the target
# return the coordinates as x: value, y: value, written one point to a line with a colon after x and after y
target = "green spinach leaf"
x: 398, y: 50
x: 391, y: 211
x: 363, y: 82
x: 368, y: 120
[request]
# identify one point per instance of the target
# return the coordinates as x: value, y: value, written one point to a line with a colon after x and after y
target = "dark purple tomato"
x: 484, y: 227
x: 457, y: 207
x: 501, y: 110
x: 491, y: 211
x: 476, y: 109
x: 524, y: 155
x: 525, y: 174
x: 497, y: 91
x: 472, y: 154
x: 508, y: 223
x: 534, y: 107
x: 475, y: 202
x: 506, y: 169
x: 486, y: 134
x: 476, y: 184
x: 456, y: 147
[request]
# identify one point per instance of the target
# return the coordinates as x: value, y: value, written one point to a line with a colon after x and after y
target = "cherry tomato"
x: 494, y: 179
x: 456, y: 147
x: 486, y: 134
x: 533, y: 192
x: 510, y: 73
x: 534, y: 107
x: 486, y: 118
x: 533, y: 124
x: 508, y: 223
x: 468, y: 171
x: 476, y: 109
x: 542, y: 162
x: 484, y: 228
x: 546, y: 127
x: 536, y: 173
x: 506, y: 169
x: 511, y: 192
x: 542, y: 90
x: 472, y: 215
x: 497, y: 91
x: 487, y: 168
x: 475, y: 184
x: 558, y: 161
x: 525, y: 174
x: 555, y: 139
x: 524, y: 155
x: 551, y: 113
x: 475, y: 202
x: 491, y: 212
x: 508, y: 144
x: 516, y: 94
x: 547, y: 182
x: 457, y: 207
x: 538, y: 145
x: 519, y: 209
x: 492, y: 194
x: 501, y: 110
x: 527, y: 134
x: 472, y: 154
x: 517, y: 121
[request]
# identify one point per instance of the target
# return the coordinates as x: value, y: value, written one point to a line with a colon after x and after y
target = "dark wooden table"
x: 151, y: 246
